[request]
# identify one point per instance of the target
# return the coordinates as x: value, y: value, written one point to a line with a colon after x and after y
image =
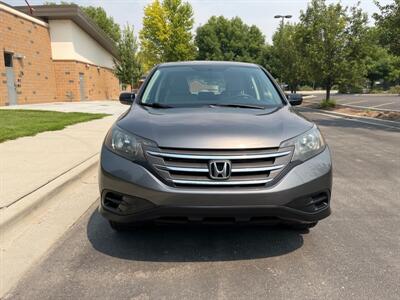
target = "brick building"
x: 58, y: 54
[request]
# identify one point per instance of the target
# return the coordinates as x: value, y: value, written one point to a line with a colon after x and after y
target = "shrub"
x: 350, y: 89
x: 395, y: 89
x: 305, y: 88
x: 327, y: 103
x: 377, y: 90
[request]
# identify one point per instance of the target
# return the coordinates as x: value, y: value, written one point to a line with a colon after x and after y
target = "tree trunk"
x: 328, y: 92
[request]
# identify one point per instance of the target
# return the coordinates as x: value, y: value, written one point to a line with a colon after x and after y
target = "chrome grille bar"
x: 216, y: 157
x: 220, y: 183
x: 182, y: 169
x: 234, y: 170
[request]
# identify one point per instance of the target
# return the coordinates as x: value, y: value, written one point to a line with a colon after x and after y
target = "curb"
x: 379, y: 94
x: 361, y: 117
x: 12, y: 215
x: 352, y: 116
x: 373, y: 121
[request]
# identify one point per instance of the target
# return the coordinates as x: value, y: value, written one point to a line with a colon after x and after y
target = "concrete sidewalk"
x: 46, y: 183
x: 106, y: 106
x: 29, y: 163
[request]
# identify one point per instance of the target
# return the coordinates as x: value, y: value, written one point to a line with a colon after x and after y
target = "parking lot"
x: 372, y: 102
x: 355, y: 253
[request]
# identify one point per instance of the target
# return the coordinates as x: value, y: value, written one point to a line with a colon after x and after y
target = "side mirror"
x: 126, y: 98
x: 295, y: 99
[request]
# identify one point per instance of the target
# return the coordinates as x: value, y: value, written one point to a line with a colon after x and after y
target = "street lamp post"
x: 282, y: 18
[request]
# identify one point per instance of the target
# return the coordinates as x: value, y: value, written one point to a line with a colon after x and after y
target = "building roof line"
x: 74, y: 13
x: 15, y: 12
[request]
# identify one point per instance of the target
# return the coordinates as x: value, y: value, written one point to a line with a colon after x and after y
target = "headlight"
x: 126, y: 144
x: 306, y: 145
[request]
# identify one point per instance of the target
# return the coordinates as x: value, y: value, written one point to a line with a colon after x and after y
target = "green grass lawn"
x: 17, y: 123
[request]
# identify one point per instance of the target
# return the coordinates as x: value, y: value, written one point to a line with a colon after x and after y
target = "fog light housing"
x: 124, y: 204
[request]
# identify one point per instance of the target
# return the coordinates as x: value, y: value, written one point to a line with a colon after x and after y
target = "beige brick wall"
x: 34, y: 74
x: 99, y: 83
x: 38, y: 77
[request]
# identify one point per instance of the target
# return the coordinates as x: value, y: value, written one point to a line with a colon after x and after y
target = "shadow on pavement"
x: 183, y: 243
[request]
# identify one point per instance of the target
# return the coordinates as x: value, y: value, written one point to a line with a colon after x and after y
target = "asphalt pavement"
x: 365, y: 101
x: 354, y: 254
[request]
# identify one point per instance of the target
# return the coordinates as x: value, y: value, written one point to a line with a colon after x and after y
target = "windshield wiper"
x: 238, y: 105
x: 156, y: 105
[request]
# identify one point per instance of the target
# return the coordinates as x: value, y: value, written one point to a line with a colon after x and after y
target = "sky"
x: 253, y: 12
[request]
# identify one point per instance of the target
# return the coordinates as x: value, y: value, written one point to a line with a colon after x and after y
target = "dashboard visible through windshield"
x: 185, y: 86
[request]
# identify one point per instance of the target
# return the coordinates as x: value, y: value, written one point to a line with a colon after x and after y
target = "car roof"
x: 207, y: 63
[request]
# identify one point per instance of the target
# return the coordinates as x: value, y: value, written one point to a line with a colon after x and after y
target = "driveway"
x: 373, y: 102
x: 354, y: 254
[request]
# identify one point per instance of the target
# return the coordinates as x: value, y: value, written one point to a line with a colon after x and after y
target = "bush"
x: 327, y: 103
x: 350, y: 89
x: 305, y: 88
x: 395, y: 89
x: 377, y: 91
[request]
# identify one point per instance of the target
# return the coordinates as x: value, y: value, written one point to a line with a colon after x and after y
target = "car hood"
x: 214, y: 127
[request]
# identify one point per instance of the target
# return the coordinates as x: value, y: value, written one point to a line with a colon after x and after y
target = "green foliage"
x: 334, y: 43
x: 395, y: 89
x: 166, y: 34
x: 305, y: 88
x: 106, y: 23
x: 230, y: 39
x: 382, y: 67
x: 330, y: 103
x: 128, y: 68
x: 388, y: 24
x: 266, y: 57
x: 289, y: 60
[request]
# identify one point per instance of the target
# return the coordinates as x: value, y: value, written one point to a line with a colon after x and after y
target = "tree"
x: 288, y: 60
x: 224, y: 39
x: 388, y: 24
x: 383, y: 67
x: 166, y: 34
x: 128, y: 68
x: 334, y: 43
x: 99, y: 16
x: 106, y: 23
x: 266, y: 58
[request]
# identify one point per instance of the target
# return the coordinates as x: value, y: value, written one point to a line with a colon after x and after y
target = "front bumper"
x: 302, y: 195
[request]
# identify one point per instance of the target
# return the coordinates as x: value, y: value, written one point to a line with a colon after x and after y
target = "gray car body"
x: 216, y: 128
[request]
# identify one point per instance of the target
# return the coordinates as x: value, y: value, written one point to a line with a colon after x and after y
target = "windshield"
x: 183, y: 86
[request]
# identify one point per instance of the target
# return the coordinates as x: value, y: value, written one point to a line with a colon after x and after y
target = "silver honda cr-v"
x: 214, y: 142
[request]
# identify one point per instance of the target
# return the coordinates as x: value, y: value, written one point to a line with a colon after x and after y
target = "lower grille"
x: 195, y: 167
x: 267, y: 220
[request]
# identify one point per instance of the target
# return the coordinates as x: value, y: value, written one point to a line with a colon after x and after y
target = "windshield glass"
x: 183, y: 86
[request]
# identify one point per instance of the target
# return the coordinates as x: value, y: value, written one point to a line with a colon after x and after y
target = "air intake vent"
x: 112, y: 201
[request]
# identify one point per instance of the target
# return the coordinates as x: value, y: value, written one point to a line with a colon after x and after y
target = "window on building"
x: 8, y: 59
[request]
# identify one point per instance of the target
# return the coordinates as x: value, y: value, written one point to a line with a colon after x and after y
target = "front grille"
x: 192, y: 167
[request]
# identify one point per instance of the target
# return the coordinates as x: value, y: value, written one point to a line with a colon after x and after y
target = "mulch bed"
x: 383, y: 115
